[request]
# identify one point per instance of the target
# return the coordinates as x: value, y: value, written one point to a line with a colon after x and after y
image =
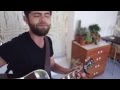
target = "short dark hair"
x: 27, y: 13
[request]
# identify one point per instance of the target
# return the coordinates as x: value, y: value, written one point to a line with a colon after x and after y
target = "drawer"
x: 97, y: 69
x: 97, y: 66
x: 77, y: 51
x: 93, y: 52
x: 105, y: 49
x: 96, y: 58
x: 98, y: 51
x: 99, y: 58
x: 95, y: 73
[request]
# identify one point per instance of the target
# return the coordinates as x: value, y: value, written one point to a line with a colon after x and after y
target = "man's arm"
x: 2, y: 62
x: 57, y: 68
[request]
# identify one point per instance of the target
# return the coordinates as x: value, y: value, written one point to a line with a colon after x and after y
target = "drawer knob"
x: 96, y: 72
x: 86, y: 60
x: 96, y: 66
x: 98, y: 52
x: 99, y: 58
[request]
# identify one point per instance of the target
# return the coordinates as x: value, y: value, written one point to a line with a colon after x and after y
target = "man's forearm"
x: 61, y: 70
x: 2, y: 62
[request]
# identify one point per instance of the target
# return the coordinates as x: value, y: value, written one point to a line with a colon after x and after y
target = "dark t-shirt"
x: 23, y: 55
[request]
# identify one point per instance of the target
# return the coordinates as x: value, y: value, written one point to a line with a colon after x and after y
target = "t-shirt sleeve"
x: 6, y: 51
x: 51, y: 47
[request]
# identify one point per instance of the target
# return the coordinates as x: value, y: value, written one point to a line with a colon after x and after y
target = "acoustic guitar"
x: 42, y: 74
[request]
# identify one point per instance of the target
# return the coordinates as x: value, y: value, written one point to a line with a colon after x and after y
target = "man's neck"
x: 38, y: 40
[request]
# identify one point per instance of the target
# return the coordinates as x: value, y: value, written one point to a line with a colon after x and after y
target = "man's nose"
x: 42, y: 18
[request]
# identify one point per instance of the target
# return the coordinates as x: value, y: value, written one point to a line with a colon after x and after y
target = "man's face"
x: 39, y: 22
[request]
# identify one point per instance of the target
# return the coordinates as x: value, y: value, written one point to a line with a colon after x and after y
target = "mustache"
x: 42, y: 23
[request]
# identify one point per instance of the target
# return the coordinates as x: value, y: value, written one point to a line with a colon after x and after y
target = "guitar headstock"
x: 88, y: 64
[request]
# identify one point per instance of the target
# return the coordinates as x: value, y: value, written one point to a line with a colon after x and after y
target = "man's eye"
x: 47, y: 15
x: 36, y: 15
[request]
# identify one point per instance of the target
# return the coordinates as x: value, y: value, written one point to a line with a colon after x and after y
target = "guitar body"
x: 37, y: 74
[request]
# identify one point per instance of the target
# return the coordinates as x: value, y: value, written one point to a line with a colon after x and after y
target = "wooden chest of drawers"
x: 99, y: 53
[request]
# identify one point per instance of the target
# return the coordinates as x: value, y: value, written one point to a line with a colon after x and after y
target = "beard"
x: 39, y: 31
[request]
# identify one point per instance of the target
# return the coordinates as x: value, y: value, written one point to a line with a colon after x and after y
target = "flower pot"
x: 82, y: 42
x: 77, y: 38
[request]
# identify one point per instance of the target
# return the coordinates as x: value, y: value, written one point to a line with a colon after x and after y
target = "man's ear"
x: 25, y: 19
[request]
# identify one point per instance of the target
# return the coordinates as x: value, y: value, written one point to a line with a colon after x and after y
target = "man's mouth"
x: 42, y: 25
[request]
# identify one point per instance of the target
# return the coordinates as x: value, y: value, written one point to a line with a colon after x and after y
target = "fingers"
x: 78, y: 74
x: 78, y: 68
x: 83, y: 75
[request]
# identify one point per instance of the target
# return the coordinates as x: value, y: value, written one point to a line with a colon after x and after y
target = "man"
x: 26, y: 52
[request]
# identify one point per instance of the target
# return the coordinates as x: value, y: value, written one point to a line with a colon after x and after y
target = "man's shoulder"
x: 49, y: 38
x: 20, y: 36
x: 15, y: 40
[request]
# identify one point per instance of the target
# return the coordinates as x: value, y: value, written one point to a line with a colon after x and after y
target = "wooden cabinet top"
x: 92, y: 46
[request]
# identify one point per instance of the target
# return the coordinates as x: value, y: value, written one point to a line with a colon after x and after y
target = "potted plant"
x: 82, y: 35
x: 88, y: 38
x: 94, y: 30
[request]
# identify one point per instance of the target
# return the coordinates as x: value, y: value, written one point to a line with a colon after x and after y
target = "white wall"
x: 70, y: 34
x: 58, y: 32
x: 106, y: 20
x: 117, y: 27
